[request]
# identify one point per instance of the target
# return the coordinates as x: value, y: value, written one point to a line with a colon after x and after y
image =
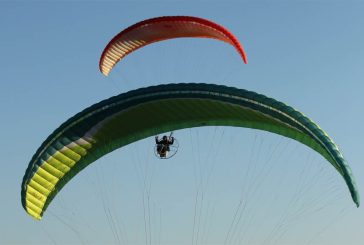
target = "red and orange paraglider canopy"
x: 163, y: 28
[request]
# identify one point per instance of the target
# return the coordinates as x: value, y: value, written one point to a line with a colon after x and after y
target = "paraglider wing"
x: 115, y: 122
x: 159, y: 29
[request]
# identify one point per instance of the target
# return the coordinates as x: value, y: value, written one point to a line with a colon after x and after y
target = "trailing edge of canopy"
x: 118, y: 121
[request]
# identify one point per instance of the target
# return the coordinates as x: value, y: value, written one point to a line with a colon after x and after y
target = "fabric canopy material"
x: 159, y: 29
x: 118, y: 121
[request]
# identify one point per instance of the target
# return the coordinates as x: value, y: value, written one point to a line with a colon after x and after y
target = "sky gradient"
x: 304, y: 53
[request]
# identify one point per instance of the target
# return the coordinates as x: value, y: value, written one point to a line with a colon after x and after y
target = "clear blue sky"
x: 308, y: 54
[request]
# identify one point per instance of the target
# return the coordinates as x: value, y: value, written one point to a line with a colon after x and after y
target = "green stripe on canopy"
x: 121, y: 120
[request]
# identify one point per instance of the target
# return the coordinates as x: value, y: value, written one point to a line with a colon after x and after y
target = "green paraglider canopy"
x: 120, y: 120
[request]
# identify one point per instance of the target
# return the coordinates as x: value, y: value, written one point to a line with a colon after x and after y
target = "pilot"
x: 163, y: 145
